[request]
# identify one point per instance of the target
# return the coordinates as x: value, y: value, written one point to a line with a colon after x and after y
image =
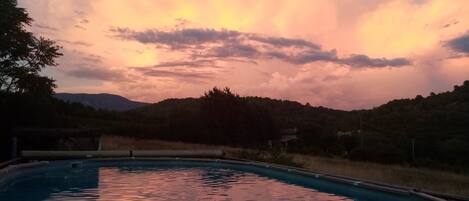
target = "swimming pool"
x: 181, y: 180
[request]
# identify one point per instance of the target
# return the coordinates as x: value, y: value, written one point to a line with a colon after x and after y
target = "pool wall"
x: 8, y: 174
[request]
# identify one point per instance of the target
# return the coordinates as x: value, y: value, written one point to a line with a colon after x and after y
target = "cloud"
x: 90, y: 58
x: 233, y: 50
x: 93, y: 58
x: 42, y: 26
x: 177, y: 39
x: 460, y: 44
x: 450, y: 24
x: 180, y: 74
x: 79, y: 27
x: 317, y: 85
x: 195, y: 63
x: 227, y: 44
x: 84, y: 21
x: 97, y: 73
x: 284, y: 42
x: 84, y: 65
x: 181, y: 22
x: 76, y: 43
x: 80, y: 13
x: 304, y: 57
x: 359, y: 60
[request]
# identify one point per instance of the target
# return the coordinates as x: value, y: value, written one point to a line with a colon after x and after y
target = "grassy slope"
x: 439, y: 181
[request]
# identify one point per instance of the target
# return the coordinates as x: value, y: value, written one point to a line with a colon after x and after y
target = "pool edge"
x: 4, y: 177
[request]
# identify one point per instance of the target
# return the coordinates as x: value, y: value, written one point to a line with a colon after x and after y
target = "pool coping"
x: 309, y: 173
x: 217, y: 153
x: 373, y: 185
x: 12, y: 171
x: 54, y: 155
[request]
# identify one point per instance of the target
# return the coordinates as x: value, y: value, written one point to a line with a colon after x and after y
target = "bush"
x: 383, y: 153
x: 270, y: 156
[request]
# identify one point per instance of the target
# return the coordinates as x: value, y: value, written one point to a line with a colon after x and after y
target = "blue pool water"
x: 178, y: 181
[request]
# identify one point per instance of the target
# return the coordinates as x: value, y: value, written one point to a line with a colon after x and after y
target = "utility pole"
x: 360, y: 131
x: 14, y: 146
x: 413, y: 148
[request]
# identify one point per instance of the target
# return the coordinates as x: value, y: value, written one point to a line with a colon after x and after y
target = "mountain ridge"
x: 104, y: 101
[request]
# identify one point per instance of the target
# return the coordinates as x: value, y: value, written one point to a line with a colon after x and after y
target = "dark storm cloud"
x: 226, y: 44
x: 460, y: 44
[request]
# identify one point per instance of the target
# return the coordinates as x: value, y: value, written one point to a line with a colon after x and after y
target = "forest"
x: 437, y: 125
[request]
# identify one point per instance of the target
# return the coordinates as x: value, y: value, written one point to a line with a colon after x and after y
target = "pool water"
x: 178, y: 181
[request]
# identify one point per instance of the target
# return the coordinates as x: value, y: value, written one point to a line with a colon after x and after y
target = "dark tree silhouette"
x: 229, y: 119
x: 22, y: 55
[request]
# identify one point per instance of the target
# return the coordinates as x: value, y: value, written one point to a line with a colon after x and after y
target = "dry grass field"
x: 439, y: 181
x: 433, y: 180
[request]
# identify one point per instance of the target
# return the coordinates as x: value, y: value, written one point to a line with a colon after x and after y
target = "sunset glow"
x: 343, y: 54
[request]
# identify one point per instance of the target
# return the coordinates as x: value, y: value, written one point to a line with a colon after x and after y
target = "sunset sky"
x: 344, y: 54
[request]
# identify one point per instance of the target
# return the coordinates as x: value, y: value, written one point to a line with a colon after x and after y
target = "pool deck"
x: 39, y: 158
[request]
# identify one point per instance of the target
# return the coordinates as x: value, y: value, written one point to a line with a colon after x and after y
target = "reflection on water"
x: 198, y: 184
x: 145, y: 183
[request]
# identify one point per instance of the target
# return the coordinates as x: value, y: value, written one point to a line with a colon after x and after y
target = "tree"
x: 229, y: 119
x: 22, y: 55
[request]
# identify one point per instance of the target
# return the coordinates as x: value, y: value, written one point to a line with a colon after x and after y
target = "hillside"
x: 437, y: 125
x: 430, y: 131
x: 101, y: 101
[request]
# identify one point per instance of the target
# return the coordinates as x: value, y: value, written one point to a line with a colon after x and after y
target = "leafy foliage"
x: 438, y: 125
x: 229, y: 119
x: 272, y: 155
x: 22, y: 55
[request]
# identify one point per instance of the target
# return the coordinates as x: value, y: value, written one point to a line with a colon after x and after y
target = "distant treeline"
x: 437, y: 126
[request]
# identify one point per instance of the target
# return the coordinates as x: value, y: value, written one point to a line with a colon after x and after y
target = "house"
x: 287, y: 135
